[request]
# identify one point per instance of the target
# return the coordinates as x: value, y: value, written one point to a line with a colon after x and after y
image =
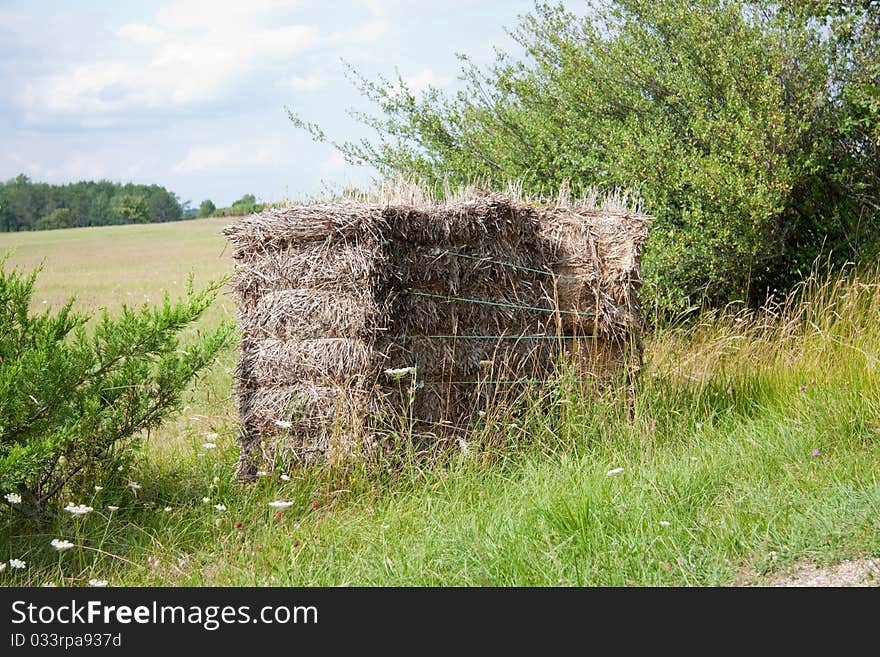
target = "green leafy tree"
x: 74, y: 401
x: 163, y: 205
x: 245, y: 205
x: 131, y: 209
x: 58, y: 218
x: 207, y: 208
x: 727, y: 117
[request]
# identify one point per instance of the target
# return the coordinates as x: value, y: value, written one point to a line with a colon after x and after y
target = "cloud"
x: 309, y: 83
x: 141, y: 34
x: 419, y: 82
x: 201, y: 158
x: 334, y: 163
x: 207, y: 157
x: 195, y: 52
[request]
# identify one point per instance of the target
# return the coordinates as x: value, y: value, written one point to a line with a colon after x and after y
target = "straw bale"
x: 324, y: 361
x: 330, y: 294
x: 468, y: 358
x: 309, y: 407
x: 332, y: 264
x: 310, y: 313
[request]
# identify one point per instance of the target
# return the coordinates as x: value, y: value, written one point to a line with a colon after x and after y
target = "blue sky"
x: 191, y: 94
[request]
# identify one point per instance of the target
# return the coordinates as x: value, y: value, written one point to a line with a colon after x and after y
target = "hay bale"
x: 479, y: 294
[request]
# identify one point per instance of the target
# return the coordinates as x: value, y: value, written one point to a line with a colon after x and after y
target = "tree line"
x: 28, y: 205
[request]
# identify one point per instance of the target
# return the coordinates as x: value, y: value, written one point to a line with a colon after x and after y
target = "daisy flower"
x: 78, y: 509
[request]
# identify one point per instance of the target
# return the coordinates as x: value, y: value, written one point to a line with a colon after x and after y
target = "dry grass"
x: 109, y: 266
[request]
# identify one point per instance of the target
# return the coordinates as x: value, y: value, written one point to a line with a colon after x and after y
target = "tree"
x: 727, y: 117
x: 207, y: 208
x: 75, y: 401
x: 58, y: 218
x: 131, y: 208
x: 245, y: 205
x: 163, y: 205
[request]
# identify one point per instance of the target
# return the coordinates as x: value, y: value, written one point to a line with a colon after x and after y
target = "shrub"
x: 749, y: 129
x: 73, y: 401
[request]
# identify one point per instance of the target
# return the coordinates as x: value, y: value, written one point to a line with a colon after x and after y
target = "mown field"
x: 753, y: 446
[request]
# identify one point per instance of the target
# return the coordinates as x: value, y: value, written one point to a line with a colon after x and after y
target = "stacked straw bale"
x: 477, y: 294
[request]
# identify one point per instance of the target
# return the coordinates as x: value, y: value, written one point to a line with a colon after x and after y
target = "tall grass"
x: 753, y: 442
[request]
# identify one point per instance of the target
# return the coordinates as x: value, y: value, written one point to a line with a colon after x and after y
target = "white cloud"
x: 200, y: 158
x: 140, y: 34
x: 195, y: 14
x: 334, y: 163
x: 419, y: 82
x: 310, y: 83
x: 205, y: 157
x: 194, y: 53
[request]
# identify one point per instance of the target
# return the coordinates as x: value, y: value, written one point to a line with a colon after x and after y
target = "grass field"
x: 753, y: 446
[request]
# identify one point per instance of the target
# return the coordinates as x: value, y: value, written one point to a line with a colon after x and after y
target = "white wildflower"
x: 97, y: 582
x: 220, y: 507
x: 212, y: 436
x: 78, y: 509
x: 464, y: 447
x: 285, y: 477
x: 262, y: 473
x: 296, y: 525
x: 665, y: 523
x: 206, y: 500
x: 2, y: 566
x: 384, y: 527
x: 60, y: 544
x: 283, y: 424
x: 167, y: 509
x: 400, y: 372
x: 17, y: 563
x: 280, y: 504
x: 13, y: 498
x: 98, y: 489
x: 112, y: 508
x: 209, y: 445
x: 615, y: 471
x: 134, y: 485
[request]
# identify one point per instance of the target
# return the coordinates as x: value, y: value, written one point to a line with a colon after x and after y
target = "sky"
x: 194, y: 94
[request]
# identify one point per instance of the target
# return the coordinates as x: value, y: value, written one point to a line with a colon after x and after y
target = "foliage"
x: 207, y: 208
x: 73, y: 401
x: 132, y: 209
x: 243, y: 206
x: 58, y: 218
x: 748, y: 128
x: 27, y: 205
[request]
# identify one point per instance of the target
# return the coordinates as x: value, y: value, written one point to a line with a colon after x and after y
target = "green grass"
x: 719, y: 479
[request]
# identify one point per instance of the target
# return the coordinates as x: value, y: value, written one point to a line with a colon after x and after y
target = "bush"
x: 73, y: 401
x: 749, y: 129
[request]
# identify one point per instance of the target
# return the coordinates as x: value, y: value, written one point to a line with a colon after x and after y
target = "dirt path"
x: 859, y: 572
